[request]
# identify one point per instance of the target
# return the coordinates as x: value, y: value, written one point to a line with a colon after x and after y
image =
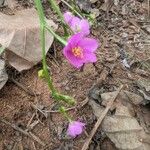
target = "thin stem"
x: 63, y: 111
x: 57, y: 9
x: 45, y: 69
x: 42, y: 37
x: 60, y: 39
x: 43, y: 26
x: 67, y: 4
x: 40, y: 11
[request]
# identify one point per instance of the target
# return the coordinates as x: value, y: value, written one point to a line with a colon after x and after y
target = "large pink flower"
x: 77, y: 25
x: 75, y: 128
x: 80, y: 50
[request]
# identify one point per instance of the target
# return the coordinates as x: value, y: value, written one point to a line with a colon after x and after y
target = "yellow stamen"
x: 77, y: 51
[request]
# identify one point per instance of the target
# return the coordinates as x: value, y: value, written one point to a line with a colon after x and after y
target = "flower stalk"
x: 43, y: 27
x: 72, y: 8
x: 57, y: 9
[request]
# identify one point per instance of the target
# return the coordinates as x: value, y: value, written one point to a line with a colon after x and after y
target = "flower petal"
x: 75, y: 128
x: 75, y: 39
x: 85, y: 27
x: 68, y: 17
x: 89, y: 44
x: 75, y: 24
x: 76, y: 62
x: 71, y: 131
x: 89, y: 57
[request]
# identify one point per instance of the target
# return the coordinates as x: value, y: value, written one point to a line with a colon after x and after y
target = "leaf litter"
x: 121, y: 127
x: 121, y: 123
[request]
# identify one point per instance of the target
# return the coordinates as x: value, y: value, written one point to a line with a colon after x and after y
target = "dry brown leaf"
x: 3, y: 74
x: 134, y: 98
x: 124, y: 130
x: 20, y: 35
x: 145, y: 83
x: 121, y: 128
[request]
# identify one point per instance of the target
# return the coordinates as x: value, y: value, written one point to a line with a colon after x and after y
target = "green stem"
x: 65, y: 114
x: 57, y: 9
x: 43, y: 26
x: 74, y: 10
x: 42, y: 37
x: 45, y: 69
x: 40, y: 11
x: 60, y: 39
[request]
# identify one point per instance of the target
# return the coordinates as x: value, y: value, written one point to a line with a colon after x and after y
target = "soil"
x: 120, y: 35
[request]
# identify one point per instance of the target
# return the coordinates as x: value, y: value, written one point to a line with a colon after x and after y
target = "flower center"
x: 78, y: 52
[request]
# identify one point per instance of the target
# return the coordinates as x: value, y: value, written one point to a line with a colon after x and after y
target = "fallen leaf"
x: 125, y: 132
x: 145, y: 83
x: 134, y: 98
x: 20, y: 35
x: 146, y: 97
x: 121, y: 128
x: 97, y: 109
x: 3, y: 74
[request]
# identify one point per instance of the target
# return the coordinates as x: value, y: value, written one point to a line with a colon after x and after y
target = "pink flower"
x: 68, y: 17
x: 77, y: 25
x: 75, y: 128
x: 80, y: 50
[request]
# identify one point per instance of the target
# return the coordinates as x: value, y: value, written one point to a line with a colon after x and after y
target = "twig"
x: 80, y: 105
x: 36, y: 139
x: 33, y: 146
x: 29, y: 91
x: 15, y: 127
x: 31, y: 119
x: 100, y: 119
x: 40, y: 110
x: 29, y: 134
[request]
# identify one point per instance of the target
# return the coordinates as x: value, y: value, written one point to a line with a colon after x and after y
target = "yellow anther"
x: 77, y: 51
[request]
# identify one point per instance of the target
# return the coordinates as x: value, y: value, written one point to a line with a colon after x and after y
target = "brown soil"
x: 17, y: 105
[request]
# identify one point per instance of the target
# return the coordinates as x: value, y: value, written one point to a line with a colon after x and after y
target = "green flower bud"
x: 41, y: 73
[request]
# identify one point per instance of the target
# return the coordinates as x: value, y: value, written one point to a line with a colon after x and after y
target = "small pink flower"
x: 80, y: 50
x: 75, y: 128
x: 77, y: 25
x: 68, y: 17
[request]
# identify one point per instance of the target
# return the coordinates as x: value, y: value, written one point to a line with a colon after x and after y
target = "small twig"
x: 36, y: 139
x: 80, y: 105
x: 29, y: 91
x: 15, y: 146
x: 29, y: 134
x: 100, y: 119
x: 33, y: 146
x: 15, y: 127
x: 41, y: 111
x: 31, y: 126
x: 29, y: 122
